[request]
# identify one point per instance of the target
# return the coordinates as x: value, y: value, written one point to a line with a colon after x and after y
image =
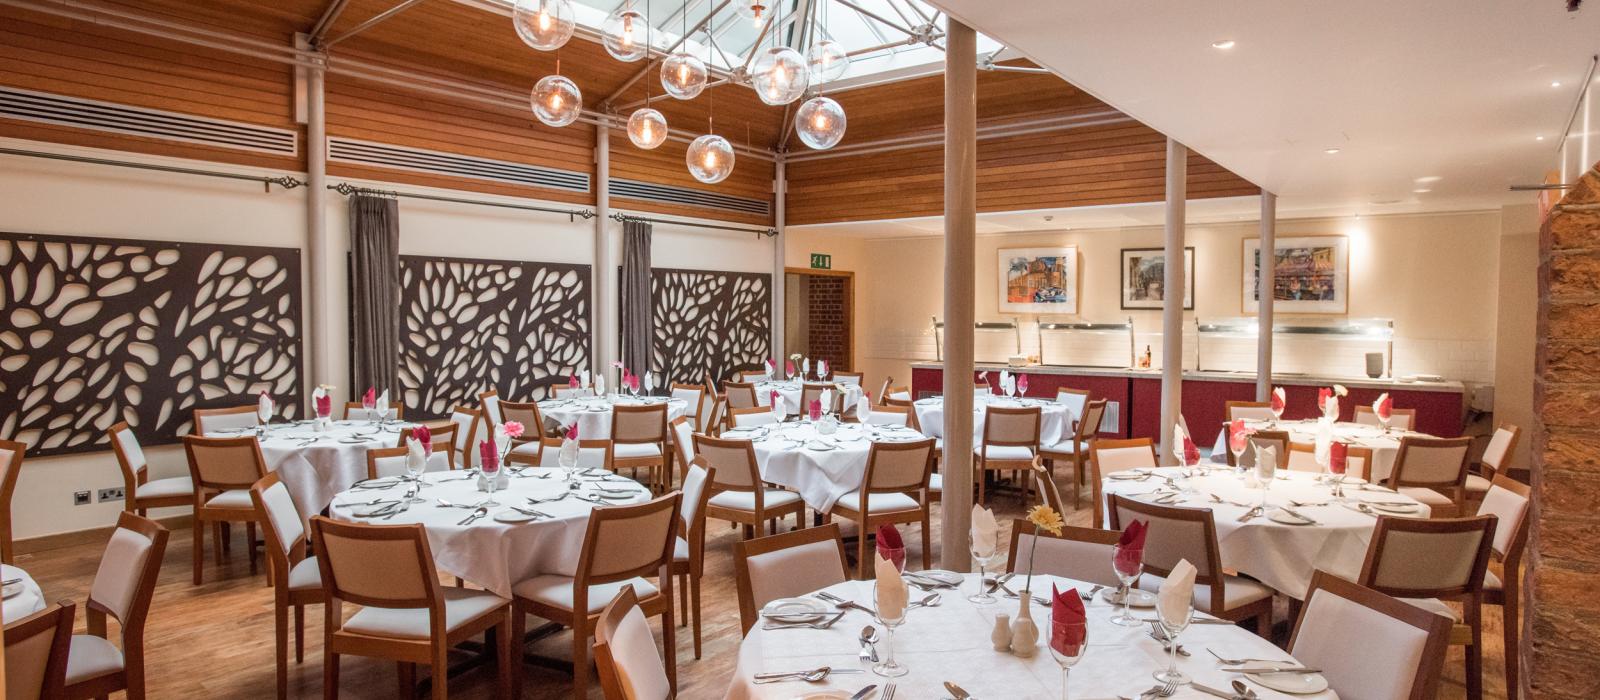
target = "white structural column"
x: 960, y: 228
x: 1269, y: 233
x: 604, y: 328
x: 1172, y: 303
x: 780, y: 192
x: 322, y: 262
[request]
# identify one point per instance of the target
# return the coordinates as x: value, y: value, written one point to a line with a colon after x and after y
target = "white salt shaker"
x: 1001, y: 636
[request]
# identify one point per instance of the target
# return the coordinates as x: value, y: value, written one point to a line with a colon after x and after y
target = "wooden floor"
x: 215, y: 640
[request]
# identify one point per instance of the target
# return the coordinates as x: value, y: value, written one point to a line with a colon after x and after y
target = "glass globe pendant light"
x: 753, y: 10
x: 556, y: 100
x: 647, y: 128
x: 780, y: 76
x: 820, y: 123
x: 544, y: 24
x: 625, y: 34
x: 683, y: 76
x: 828, y: 60
x: 710, y: 158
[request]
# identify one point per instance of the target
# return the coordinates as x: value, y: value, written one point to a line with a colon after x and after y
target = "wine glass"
x: 888, y: 668
x: 1265, y: 470
x: 1172, y: 623
x: 1127, y: 563
x: 1236, y: 444
x: 264, y: 414
x: 1073, y: 652
x: 414, y: 471
x: 1337, y: 468
x: 1277, y: 413
x: 369, y: 406
x: 1384, y: 421
x: 491, y: 478
x: 567, y: 457
x: 984, y: 560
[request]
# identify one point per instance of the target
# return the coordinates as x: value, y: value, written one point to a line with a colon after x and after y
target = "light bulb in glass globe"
x: 820, y: 123
x: 647, y: 128
x: 780, y: 76
x: 556, y: 100
x: 625, y: 34
x: 753, y: 10
x: 683, y: 76
x: 828, y: 61
x: 544, y: 24
x: 710, y: 158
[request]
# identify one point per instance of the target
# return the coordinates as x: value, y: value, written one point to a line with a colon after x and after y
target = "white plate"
x: 819, y: 446
x: 11, y: 590
x: 513, y: 516
x: 1136, y: 598
x: 1292, y: 683
x: 1127, y: 476
x: 949, y: 578
x: 795, y: 609
x: 1278, y: 516
x: 824, y: 695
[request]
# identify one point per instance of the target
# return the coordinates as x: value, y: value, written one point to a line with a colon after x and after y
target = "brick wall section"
x: 830, y: 325
x: 1562, y: 603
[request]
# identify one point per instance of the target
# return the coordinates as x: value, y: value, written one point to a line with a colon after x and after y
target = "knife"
x: 1213, y: 691
x: 1279, y: 669
x: 864, y: 692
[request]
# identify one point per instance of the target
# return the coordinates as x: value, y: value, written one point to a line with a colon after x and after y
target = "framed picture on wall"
x: 1144, y: 278
x: 1039, y: 280
x: 1310, y: 275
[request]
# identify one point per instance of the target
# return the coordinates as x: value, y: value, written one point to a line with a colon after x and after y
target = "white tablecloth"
x: 790, y: 391
x: 27, y: 600
x: 489, y: 553
x: 593, y: 413
x: 315, y: 466
x: 1055, y: 421
x: 1384, y: 446
x: 951, y: 643
x: 788, y: 455
x: 1279, y: 555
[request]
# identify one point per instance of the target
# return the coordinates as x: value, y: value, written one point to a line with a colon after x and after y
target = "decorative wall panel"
x: 708, y: 322
x: 467, y: 326
x: 97, y: 330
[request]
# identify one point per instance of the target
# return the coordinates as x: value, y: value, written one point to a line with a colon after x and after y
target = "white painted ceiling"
x: 1441, y: 95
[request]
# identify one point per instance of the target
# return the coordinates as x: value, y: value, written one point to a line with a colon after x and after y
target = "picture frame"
x: 1039, y: 280
x: 1143, y: 272
x: 1311, y: 275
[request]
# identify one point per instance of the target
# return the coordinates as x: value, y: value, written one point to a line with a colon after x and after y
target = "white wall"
x: 61, y: 198
x: 1517, y: 325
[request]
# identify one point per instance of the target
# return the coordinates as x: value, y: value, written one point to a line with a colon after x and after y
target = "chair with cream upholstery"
x: 694, y: 395
x: 1107, y: 457
x: 223, y: 470
x: 1177, y: 533
x: 386, y: 461
x: 405, y: 615
x: 489, y: 406
x: 738, y: 395
x: 897, y: 473
x: 1247, y: 410
x: 527, y: 413
x: 1427, y: 468
x: 1367, y: 644
x: 1010, y: 442
x: 11, y: 456
x: 622, y: 545
x: 751, y: 417
x: 1429, y: 562
x: 213, y: 420
x: 1496, y: 457
x: 1079, y: 553
x: 296, y: 581
x: 689, y: 552
x: 442, y: 439
x: 1302, y: 458
x: 751, y: 375
x: 1400, y: 418
x: 1075, y: 449
x: 353, y: 410
x: 898, y: 393
x: 122, y: 588
x: 36, y: 653
x: 1049, y: 494
x: 812, y: 391
x: 639, y: 441
x: 738, y: 493
x: 883, y: 392
x: 887, y: 415
x: 1508, y: 501
x: 141, y: 493
x: 711, y: 410
x: 592, y: 454
x: 470, y: 430
x: 784, y: 566
x: 569, y: 392
x: 1278, y: 440
x: 849, y: 378
x: 625, y: 654
x: 682, y: 432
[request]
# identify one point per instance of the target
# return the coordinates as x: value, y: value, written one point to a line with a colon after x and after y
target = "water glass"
x: 491, y: 478
x: 1265, y: 471
x: 1127, y: 568
x: 984, y: 560
x: 1172, y: 624
x: 888, y: 668
x: 1067, y: 660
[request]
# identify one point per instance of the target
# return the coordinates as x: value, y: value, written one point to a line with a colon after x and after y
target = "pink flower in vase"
x: 512, y: 429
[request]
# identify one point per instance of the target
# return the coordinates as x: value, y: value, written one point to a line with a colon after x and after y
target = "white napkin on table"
x: 985, y: 532
x: 863, y: 410
x: 383, y: 402
x: 1266, y: 458
x: 585, y: 378
x: 600, y: 385
x: 892, y: 594
x: 416, y: 458
x: 827, y: 400
x: 1177, y: 594
x: 264, y: 407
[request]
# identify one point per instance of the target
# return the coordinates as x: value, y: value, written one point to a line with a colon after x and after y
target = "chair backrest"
x: 1112, y: 456
x: 899, y: 393
x: 380, y: 566
x: 711, y: 409
x: 36, y: 653
x: 353, y: 410
x: 1247, y: 410
x: 470, y: 430
x: 911, y: 409
x: 1400, y: 418
x: 898, y: 467
x: 210, y: 420
x: 782, y: 566
x: 592, y: 454
x: 1431, y: 462
x: 852, y: 378
x: 130, y: 456
x: 1508, y: 501
x: 1302, y: 457
x: 632, y: 425
x: 568, y: 392
x: 524, y: 412
x: 626, y: 541
x: 1501, y: 449
x: 1076, y: 400
x: 442, y: 436
x: 751, y: 375
x: 1011, y: 427
x: 812, y: 391
x: 740, y: 394
x: 733, y: 460
x: 282, y: 528
x: 1047, y: 486
x: 223, y: 463
x: 1175, y: 533
x: 11, y: 454
x: 386, y: 461
x: 1077, y: 553
x: 1368, y: 644
x: 695, y: 396
x: 883, y: 391
x: 489, y: 405
x: 751, y: 417
x: 696, y: 489
x: 683, y: 439
x: 126, y: 579
x: 1089, y: 423
x: 625, y: 655
x: 889, y: 415
x: 1438, y: 558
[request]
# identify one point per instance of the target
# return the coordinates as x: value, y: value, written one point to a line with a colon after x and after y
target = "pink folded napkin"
x: 423, y: 436
x: 369, y: 399
x: 788, y: 367
x: 488, y: 456
x: 574, y: 383
x: 572, y: 431
x: 816, y: 409
x: 1338, y: 457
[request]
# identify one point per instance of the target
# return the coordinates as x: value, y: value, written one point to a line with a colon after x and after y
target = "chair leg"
x: 694, y: 595
x: 250, y: 544
x: 683, y: 598
x: 330, y: 676
x: 1264, y: 624
x: 503, y: 644
x: 299, y: 634
x: 1509, y: 625
x: 1474, y: 619
x: 519, y: 631
x: 280, y: 629
x: 580, y: 658
x: 861, y: 551
x: 927, y: 542
x: 406, y: 677
x: 198, y: 528
x: 440, y: 683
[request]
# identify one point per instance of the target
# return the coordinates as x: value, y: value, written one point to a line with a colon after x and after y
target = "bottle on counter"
x: 1144, y: 362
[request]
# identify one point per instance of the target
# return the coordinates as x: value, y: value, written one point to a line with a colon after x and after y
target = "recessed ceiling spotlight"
x: 1427, y: 179
x: 1421, y: 190
x: 1555, y: 83
x: 1330, y: 151
x: 1223, y: 44
x: 1538, y: 138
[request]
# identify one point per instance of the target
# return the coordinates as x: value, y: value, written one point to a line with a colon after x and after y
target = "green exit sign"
x: 821, y: 261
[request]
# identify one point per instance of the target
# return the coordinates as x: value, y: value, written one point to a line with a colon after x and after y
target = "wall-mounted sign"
x: 821, y: 261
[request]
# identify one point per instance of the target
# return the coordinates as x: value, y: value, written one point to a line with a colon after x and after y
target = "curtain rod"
x: 285, y: 181
x: 763, y: 232
x: 348, y: 189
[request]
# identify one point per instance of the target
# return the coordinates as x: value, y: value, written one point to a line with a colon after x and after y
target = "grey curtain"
x: 638, y: 324
x: 374, y: 293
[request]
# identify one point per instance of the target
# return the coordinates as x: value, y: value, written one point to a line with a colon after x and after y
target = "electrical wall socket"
x: 80, y: 498
x: 111, y: 494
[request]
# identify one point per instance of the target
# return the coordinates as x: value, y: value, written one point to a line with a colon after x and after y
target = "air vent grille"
x: 437, y: 163
x: 670, y: 194
x: 138, y: 121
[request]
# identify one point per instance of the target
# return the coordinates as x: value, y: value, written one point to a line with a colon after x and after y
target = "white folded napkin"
x: 264, y: 407
x: 827, y: 400
x: 383, y: 402
x: 1266, y: 461
x: 891, y: 589
x: 985, y: 532
x: 416, y: 457
x: 600, y: 385
x: 863, y: 410
x: 1176, y: 596
x: 585, y: 377
x: 649, y: 381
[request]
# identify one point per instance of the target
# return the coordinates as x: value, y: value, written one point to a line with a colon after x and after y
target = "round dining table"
x: 1385, y: 444
x: 593, y: 413
x: 790, y: 391
x: 1305, y: 527
x: 796, y: 454
x: 504, y: 545
x: 22, y: 594
x: 317, y: 464
x: 1056, y: 420
x: 950, y: 642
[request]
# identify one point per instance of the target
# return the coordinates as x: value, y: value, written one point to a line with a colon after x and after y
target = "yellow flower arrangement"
x: 1046, y: 518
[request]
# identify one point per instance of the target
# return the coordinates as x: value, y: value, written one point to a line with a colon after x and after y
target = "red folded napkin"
x: 1022, y: 385
x: 424, y: 436
x: 574, y: 382
x: 1069, y: 624
x: 1130, y: 554
x: 777, y: 400
x: 488, y: 456
x: 788, y: 368
x: 324, y: 406
x: 1385, y: 408
x: 816, y: 409
x: 369, y: 400
x: 1237, y: 435
x: 1191, y: 451
x: 1338, y: 454
x: 572, y: 431
x: 1279, y: 399
x: 891, y: 547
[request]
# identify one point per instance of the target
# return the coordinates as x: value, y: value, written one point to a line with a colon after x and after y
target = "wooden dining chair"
x: 140, y: 494
x: 849, y: 378
x: 122, y: 589
x: 386, y: 461
x: 1010, y: 442
x: 296, y: 580
x: 738, y: 494
x: 626, y: 659
x: 1429, y: 562
x: 1509, y: 501
x: 406, y: 615
x: 1248, y: 410
x: 639, y: 441
x: 1400, y: 418
x: 354, y: 410
x: 1075, y: 448
x: 592, y: 454
x: 682, y: 432
x: 622, y: 545
x: 694, y: 397
x: 1368, y: 644
x: 689, y: 552
x: 792, y: 564
x: 11, y: 456
x: 1049, y: 494
x: 751, y: 417
x: 1433, y: 471
x: 883, y: 391
x: 470, y: 429
x: 211, y: 420
x: 1302, y: 458
x: 527, y: 413
x: 489, y: 406
x: 887, y: 415
x: 812, y: 391
x: 1079, y: 553
x: 896, y: 393
x: 36, y: 649
x: 1496, y: 457
x: 738, y: 395
x: 223, y: 470
x: 751, y: 376
x: 713, y: 409
x: 1278, y: 440
x: 442, y: 437
x: 1177, y: 533
x: 890, y: 493
x: 1107, y: 457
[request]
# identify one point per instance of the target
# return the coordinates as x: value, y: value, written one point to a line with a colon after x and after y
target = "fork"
x: 818, y: 625
x: 1241, y: 662
x: 888, y: 692
x: 1165, y: 690
x: 841, y: 602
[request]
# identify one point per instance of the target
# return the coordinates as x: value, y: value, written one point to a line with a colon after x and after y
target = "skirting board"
x: 95, y: 535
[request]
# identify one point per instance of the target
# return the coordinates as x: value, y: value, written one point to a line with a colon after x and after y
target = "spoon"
x: 957, y: 691
x: 930, y: 601
x: 1243, y: 690
x: 869, y: 644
